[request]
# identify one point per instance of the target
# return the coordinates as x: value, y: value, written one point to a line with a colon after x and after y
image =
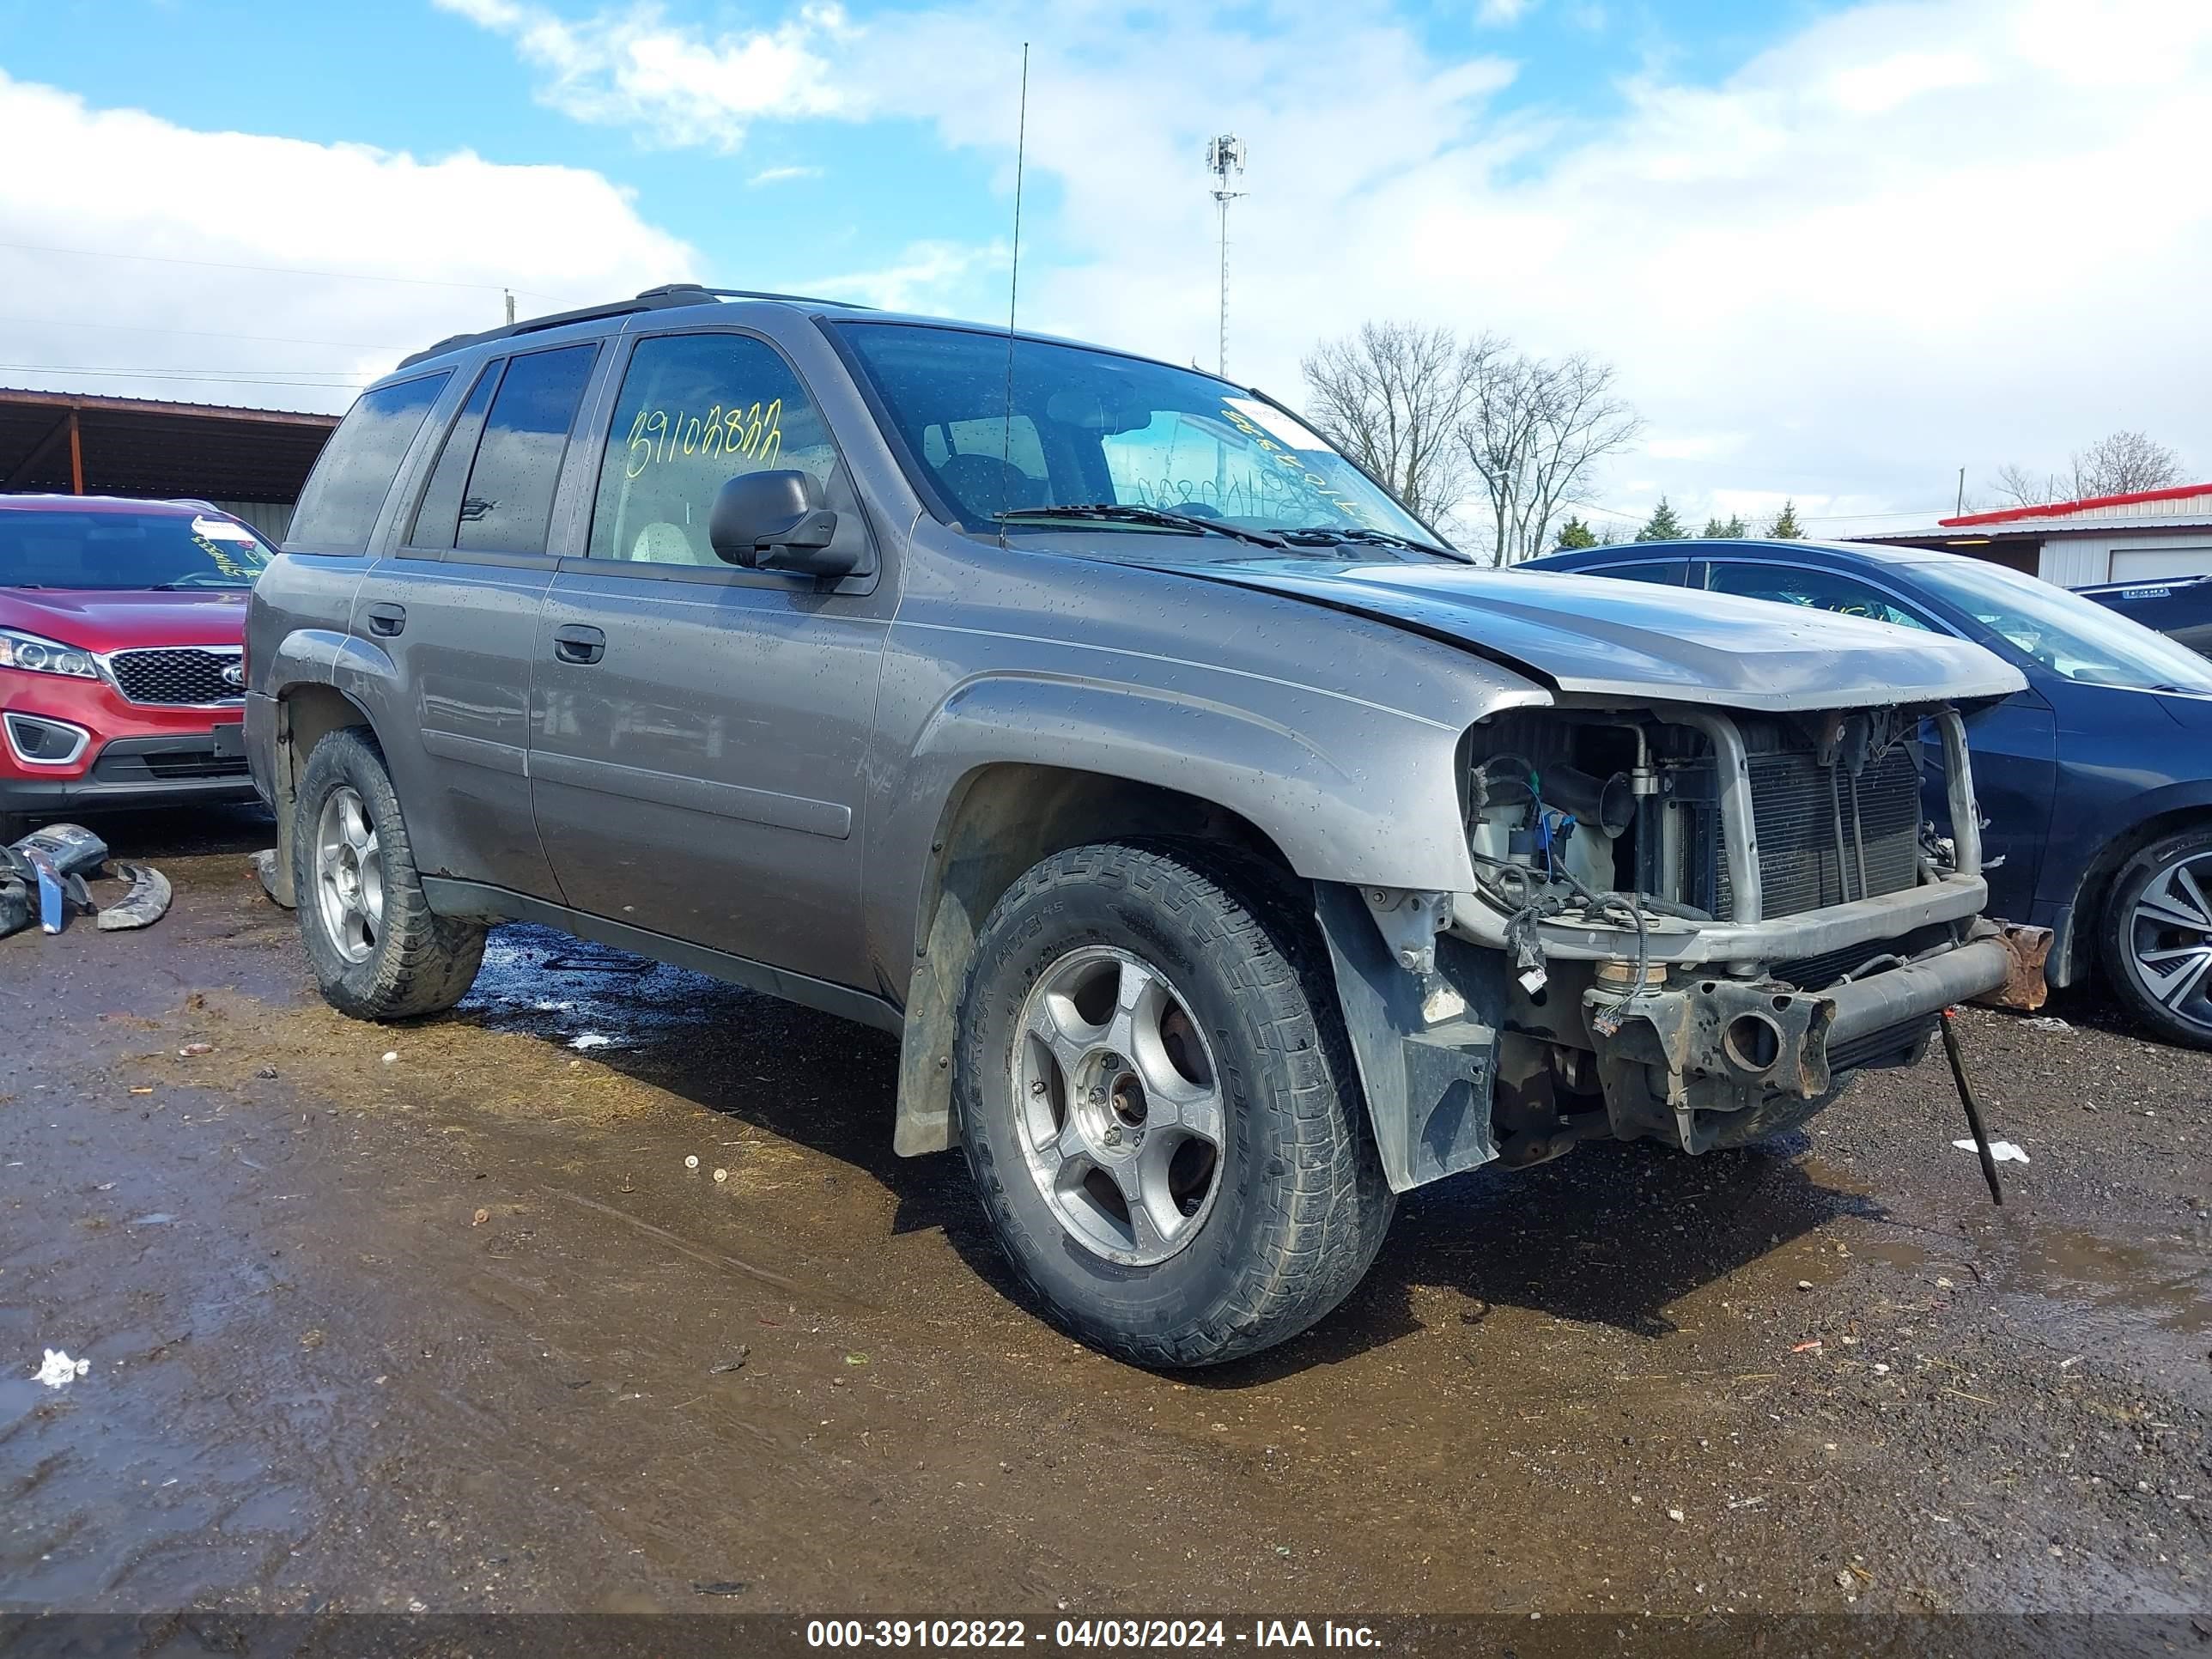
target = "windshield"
x: 2065, y: 633
x: 1089, y: 429
x: 117, y: 551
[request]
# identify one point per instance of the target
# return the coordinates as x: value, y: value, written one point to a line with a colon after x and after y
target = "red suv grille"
x: 182, y: 675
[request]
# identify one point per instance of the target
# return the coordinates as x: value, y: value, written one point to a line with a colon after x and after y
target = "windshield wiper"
x: 1130, y: 512
x: 1321, y: 534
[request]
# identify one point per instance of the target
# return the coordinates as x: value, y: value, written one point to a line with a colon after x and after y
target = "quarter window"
x: 1817, y: 590
x: 355, y: 473
x: 696, y: 410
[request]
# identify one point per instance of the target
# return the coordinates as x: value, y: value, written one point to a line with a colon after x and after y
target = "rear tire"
x: 1158, y: 1108
x: 378, y: 951
x: 2156, y: 937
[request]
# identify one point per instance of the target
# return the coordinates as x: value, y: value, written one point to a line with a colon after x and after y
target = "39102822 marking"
x: 926, y: 1634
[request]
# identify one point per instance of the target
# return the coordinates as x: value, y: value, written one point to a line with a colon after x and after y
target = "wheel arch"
x: 1001, y: 819
x: 2074, y: 954
x: 306, y: 712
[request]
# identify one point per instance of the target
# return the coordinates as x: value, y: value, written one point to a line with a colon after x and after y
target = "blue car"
x: 2096, y: 780
x: 2179, y: 608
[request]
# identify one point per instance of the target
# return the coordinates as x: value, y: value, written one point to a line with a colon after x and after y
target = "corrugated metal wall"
x: 2077, y: 561
x: 271, y: 518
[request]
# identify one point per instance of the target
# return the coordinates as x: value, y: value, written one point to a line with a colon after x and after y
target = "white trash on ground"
x: 2001, y: 1152
x: 2046, y: 1022
x: 590, y: 1039
x: 59, y: 1371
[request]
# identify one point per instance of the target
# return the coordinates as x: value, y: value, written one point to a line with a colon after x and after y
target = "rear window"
x: 338, y: 510
x: 117, y: 551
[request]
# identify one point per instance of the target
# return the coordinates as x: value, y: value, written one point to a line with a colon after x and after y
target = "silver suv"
x: 1230, y: 853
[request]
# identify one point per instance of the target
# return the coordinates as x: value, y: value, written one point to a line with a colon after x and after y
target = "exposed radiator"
x: 1796, y: 813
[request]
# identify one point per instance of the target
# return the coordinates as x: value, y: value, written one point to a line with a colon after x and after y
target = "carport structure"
x: 249, y: 461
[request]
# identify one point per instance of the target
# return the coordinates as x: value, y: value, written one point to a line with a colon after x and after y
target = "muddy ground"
x: 439, y: 1317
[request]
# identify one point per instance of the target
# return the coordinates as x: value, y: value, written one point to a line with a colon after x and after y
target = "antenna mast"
x: 1224, y: 155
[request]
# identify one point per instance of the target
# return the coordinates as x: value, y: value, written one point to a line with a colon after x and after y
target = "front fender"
x: 1347, y: 794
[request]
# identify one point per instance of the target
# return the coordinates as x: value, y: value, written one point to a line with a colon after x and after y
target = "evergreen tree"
x: 1714, y: 530
x: 1662, y: 525
x: 1785, y: 527
x: 1575, y: 533
x: 1734, y: 528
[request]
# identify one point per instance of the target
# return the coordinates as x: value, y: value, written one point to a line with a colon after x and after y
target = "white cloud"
x: 783, y: 175
x: 1502, y: 13
x: 1907, y: 237
x: 676, y: 86
x: 354, y: 256
x: 924, y: 278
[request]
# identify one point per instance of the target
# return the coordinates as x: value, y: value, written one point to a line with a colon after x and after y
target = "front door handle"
x: 578, y: 644
x: 386, y: 620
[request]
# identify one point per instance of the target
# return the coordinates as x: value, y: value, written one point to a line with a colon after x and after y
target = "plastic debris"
x: 147, y: 902
x: 59, y: 1371
x: 391, y: 1056
x: 479, y: 1217
x: 2001, y: 1152
x: 2046, y: 1022
x: 589, y: 1039
x: 692, y: 1161
x: 1807, y: 1347
x: 265, y: 867
x: 193, y: 1050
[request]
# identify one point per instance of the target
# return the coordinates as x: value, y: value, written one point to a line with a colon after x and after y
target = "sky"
x: 1836, y: 252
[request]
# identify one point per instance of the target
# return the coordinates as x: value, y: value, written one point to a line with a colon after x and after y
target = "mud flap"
x: 1426, y: 1058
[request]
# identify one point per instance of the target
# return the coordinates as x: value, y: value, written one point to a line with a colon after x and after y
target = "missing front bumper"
x: 1671, y: 1061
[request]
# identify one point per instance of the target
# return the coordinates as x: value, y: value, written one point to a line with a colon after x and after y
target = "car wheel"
x: 1159, y: 1110
x: 2158, y: 937
x: 378, y: 951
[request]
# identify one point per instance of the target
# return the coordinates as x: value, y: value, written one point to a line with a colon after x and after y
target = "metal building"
x: 250, y: 462
x: 2149, y: 536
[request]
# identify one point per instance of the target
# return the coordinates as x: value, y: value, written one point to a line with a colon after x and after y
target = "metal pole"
x: 1221, y: 349
x: 1973, y: 1107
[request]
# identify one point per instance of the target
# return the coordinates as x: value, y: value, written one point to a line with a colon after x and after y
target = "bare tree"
x: 2118, y: 466
x: 1534, y: 431
x: 1391, y: 397
x: 2018, y: 486
x: 2123, y: 464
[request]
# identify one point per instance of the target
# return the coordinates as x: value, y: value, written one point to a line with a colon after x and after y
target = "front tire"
x: 2156, y: 939
x: 1158, y: 1109
x: 378, y: 951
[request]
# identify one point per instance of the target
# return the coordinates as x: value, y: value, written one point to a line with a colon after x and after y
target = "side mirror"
x: 776, y: 521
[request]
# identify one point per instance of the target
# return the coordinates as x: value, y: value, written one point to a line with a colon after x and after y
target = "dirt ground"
x: 440, y: 1317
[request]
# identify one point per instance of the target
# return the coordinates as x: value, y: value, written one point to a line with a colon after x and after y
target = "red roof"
x: 2056, y: 509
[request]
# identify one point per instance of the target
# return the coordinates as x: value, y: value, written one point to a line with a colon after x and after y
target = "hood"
x: 1592, y: 635
x: 95, y: 619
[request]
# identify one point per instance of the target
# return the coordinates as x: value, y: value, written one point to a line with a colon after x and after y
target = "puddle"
x: 2164, y: 1278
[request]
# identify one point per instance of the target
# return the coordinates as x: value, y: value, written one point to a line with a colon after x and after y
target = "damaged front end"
x: 1687, y: 924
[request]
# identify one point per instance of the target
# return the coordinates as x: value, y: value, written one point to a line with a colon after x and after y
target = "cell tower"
x: 1224, y: 155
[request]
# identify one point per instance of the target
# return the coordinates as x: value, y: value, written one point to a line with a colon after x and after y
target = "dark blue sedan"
x: 2096, y: 780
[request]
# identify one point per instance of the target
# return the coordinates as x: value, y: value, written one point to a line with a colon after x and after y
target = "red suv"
x: 122, y: 657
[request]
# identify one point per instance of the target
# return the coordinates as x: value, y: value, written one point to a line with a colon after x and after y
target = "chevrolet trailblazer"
x: 1230, y: 854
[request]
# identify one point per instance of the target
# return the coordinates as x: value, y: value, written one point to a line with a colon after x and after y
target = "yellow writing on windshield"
x: 220, y: 560
x: 1290, y: 463
x: 660, y: 435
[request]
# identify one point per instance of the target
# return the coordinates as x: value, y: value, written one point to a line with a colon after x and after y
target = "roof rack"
x: 653, y: 299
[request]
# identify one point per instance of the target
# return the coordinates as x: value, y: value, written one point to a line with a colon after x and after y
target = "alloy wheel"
x: 349, y: 875
x: 1119, y: 1105
x: 2170, y: 934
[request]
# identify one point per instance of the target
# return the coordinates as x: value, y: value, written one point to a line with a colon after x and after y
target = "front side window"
x: 120, y: 551
x: 1816, y: 590
x: 696, y: 410
x: 508, y: 505
x: 2068, y: 634
x: 1089, y: 429
x: 354, y: 473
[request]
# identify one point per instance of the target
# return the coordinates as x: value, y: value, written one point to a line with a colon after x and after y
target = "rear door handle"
x: 386, y: 620
x: 578, y: 644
